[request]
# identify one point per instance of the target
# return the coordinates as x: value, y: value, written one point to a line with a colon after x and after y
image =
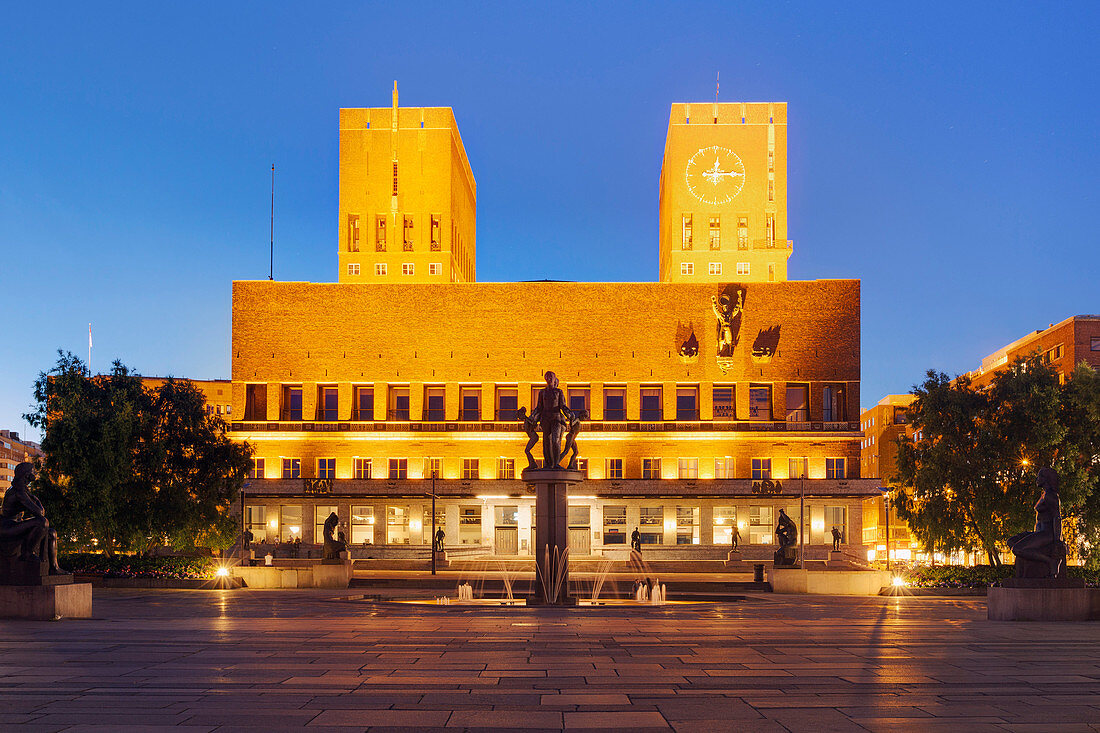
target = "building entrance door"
x: 507, y: 541
x: 580, y: 531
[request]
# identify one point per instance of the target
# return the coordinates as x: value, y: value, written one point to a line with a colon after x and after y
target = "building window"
x: 651, y: 520
x: 362, y: 467
x: 770, y: 231
x: 469, y: 525
x: 651, y: 468
x: 771, y: 190
x: 771, y: 160
x: 760, y: 402
x: 771, y: 273
x: 724, y: 408
x: 362, y: 525
x: 326, y: 468
x: 256, y: 521
x: 353, y: 268
x: 435, y: 237
x: 364, y: 404
x: 397, y: 525
x: 353, y: 234
x: 408, y: 268
x: 507, y: 403
x: 743, y: 268
x: 407, y: 239
x: 742, y: 232
x: 714, y: 268
x: 380, y: 268
x: 320, y: 514
x: 435, y: 404
x: 761, y: 469
x: 836, y: 517
x: 578, y: 398
x: 292, y: 403
x: 470, y: 403
x: 399, y: 468
x: 292, y: 468
x: 687, y: 525
x: 435, y: 268
x: 380, y: 234
x: 614, y: 403
x: 687, y: 403
x: 834, y: 468
x: 290, y: 520
x: 614, y: 525
x: 614, y: 468
x: 255, y: 402
x: 798, y: 467
x: 651, y: 404
x: 328, y: 404
x: 723, y: 467
x: 1094, y: 343
x: 433, y: 467
x: 797, y: 403
x: 399, y: 403
x: 760, y: 525
x: 687, y: 268
x: 470, y: 469
x: 506, y: 468
x: 582, y: 466
x: 834, y: 404
x: 688, y: 468
x: 257, y: 468
x: 686, y: 240
x: 715, y: 234
x: 725, y: 522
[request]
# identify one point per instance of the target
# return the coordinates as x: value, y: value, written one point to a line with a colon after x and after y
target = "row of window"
x: 714, y: 229
x: 407, y: 268
x: 408, y: 237
x: 409, y: 525
x: 652, y: 406
x: 651, y: 468
x: 715, y: 268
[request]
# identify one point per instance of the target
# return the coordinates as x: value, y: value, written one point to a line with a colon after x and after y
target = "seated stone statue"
x: 24, y: 530
x: 1042, y: 553
x: 333, y: 545
x: 786, y: 534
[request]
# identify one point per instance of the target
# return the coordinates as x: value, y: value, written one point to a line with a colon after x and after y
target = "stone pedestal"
x: 785, y: 557
x: 733, y: 557
x: 46, y: 602
x: 1043, y: 599
x: 552, y: 532
x: 332, y: 574
x: 836, y: 559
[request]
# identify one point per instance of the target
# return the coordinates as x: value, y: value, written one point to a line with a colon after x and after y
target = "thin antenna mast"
x: 271, y: 271
x: 717, y: 78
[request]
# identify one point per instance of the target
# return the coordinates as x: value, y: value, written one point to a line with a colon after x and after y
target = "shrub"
x: 136, y: 566
x: 980, y: 576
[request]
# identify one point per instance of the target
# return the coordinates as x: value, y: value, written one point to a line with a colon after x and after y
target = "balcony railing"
x: 399, y: 420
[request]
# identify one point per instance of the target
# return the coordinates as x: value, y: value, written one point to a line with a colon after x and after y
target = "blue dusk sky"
x: 945, y: 154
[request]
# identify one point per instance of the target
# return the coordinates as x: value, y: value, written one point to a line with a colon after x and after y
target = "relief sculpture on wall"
x: 727, y: 310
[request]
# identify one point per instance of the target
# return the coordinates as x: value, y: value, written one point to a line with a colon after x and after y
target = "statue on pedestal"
x: 552, y: 415
x: 786, y: 534
x: 1042, y: 553
x: 24, y: 530
x: 333, y: 545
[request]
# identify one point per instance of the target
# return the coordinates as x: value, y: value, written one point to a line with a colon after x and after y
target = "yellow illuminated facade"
x: 713, y: 402
x: 408, y: 200
x: 723, y: 206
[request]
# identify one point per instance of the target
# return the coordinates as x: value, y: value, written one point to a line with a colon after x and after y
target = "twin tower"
x: 408, y: 198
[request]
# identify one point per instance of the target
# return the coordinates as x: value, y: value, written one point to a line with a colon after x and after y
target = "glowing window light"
x: 274, y: 524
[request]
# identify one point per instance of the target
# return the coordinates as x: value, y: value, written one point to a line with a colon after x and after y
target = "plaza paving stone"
x: 330, y: 660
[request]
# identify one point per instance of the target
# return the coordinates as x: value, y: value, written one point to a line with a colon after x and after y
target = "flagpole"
x: 89, y: 349
x: 271, y: 271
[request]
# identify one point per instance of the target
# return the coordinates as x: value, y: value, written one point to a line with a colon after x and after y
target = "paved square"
x: 317, y: 660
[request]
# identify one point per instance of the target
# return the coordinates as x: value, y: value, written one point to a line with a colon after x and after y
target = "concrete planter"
x: 46, y: 602
x: 1043, y: 604
x: 828, y: 582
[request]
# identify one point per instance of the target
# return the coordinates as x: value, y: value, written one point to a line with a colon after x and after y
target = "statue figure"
x: 1042, y: 553
x: 736, y: 536
x: 836, y: 539
x: 333, y: 546
x: 786, y: 534
x: 530, y: 426
x: 552, y: 414
x: 437, y: 542
x: 571, y: 438
x: 635, y: 541
x: 24, y: 529
x: 726, y: 311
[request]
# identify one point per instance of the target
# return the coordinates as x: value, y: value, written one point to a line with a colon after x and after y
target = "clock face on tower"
x: 715, y: 175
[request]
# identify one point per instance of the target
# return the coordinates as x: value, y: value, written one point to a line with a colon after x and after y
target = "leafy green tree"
x: 968, y: 480
x: 1078, y: 463
x: 127, y: 468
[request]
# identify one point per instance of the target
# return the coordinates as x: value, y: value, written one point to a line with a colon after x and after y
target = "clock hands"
x: 715, y: 174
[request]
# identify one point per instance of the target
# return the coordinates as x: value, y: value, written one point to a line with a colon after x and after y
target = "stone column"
x: 551, y: 533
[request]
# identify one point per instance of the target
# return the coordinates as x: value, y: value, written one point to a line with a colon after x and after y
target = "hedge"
x: 979, y: 576
x: 136, y: 566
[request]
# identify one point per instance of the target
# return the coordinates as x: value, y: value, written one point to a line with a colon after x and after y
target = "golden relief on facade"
x: 727, y: 310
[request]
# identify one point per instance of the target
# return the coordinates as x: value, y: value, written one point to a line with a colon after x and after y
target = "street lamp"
x: 433, y: 521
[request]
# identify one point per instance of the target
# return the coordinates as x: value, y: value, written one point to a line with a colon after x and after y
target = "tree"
x: 968, y: 480
x: 128, y: 467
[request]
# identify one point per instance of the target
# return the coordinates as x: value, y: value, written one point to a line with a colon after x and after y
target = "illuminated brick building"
x: 717, y: 395
x: 13, y: 451
x: 1063, y: 345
